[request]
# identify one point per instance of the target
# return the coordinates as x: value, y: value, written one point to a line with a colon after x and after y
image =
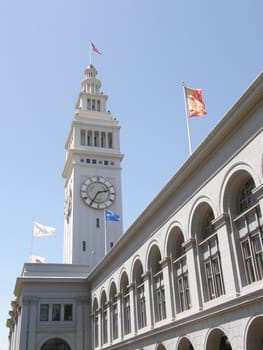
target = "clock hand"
x: 98, y: 192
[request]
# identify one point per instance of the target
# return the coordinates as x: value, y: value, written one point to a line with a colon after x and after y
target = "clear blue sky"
x: 149, y: 47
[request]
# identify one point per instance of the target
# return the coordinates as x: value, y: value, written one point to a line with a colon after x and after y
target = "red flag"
x: 194, y: 102
x: 93, y: 48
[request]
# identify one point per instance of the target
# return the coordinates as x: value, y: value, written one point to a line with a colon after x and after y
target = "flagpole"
x: 105, y: 232
x: 90, y: 54
x: 187, y: 122
x: 32, y: 237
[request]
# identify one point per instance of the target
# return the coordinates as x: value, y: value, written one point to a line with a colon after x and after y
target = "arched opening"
x: 104, y: 318
x: 185, y: 344
x: 95, y: 310
x: 157, y: 283
x: 208, y: 252
x: 114, y: 311
x: 218, y: 340
x: 55, y: 344
x: 125, y: 303
x: 161, y: 347
x: 247, y: 223
x: 137, y: 277
x: 255, y: 336
x: 179, y: 270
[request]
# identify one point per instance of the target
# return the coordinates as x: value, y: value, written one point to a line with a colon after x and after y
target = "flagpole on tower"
x: 187, y: 122
x: 105, y: 232
x: 31, y: 245
x: 90, y: 54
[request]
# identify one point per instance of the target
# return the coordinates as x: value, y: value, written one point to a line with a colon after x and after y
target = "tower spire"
x: 92, y: 175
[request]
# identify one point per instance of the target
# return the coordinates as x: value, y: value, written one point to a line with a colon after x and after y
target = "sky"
x: 149, y: 47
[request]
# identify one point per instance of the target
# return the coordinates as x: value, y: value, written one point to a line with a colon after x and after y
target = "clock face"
x: 97, y: 192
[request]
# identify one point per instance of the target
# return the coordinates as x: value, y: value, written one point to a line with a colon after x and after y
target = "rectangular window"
x: 104, y: 325
x: 141, y: 306
x: 83, y: 246
x: 109, y: 140
x: 44, y: 308
x: 56, y: 312
x: 98, y: 223
x: 248, y: 261
x: 68, y: 312
x: 82, y: 137
x: 115, y: 320
x: 88, y: 104
x: 127, y: 317
x: 89, y: 139
x: 159, y: 295
x: 209, y: 280
x: 96, y: 329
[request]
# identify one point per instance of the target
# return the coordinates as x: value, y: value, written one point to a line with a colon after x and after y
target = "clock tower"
x: 92, y: 175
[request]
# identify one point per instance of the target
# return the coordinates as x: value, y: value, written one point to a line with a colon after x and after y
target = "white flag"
x: 37, y: 259
x: 41, y: 230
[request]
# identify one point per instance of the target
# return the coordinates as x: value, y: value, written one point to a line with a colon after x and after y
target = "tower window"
x: 82, y: 137
x: 83, y: 246
x: 97, y: 222
x: 44, y: 312
x: 93, y: 104
x: 56, y: 312
x: 68, y: 312
x: 98, y: 105
x: 88, y: 104
x: 89, y: 138
x: 110, y: 140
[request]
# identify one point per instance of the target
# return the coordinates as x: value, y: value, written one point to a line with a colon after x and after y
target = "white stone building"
x: 187, y: 274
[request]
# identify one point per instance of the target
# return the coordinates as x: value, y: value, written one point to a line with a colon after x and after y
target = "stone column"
x: 109, y: 314
x: 83, y: 323
x: 120, y: 316
x: 194, y: 282
x: 148, y: 300
x: 32, y: 321
x: 132, y: 308
x: 169, y: 305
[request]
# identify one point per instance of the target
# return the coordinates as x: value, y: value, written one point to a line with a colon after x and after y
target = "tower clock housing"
x: 92, y: 175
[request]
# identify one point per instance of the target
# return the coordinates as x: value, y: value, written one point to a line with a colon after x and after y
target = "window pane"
x: 44, y: 312
x: 68, y: 312
x: 56, y: 312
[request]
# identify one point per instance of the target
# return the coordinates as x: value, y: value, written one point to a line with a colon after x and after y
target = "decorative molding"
x: 187, y: 245
x: 220, y: 221
x: 258, y: 192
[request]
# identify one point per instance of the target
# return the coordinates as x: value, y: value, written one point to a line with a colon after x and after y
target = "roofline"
x: 236, y: 115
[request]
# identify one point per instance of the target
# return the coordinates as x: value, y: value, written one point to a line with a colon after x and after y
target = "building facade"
x: 186, y: 275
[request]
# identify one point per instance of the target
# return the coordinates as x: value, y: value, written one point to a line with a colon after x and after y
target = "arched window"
x: 209, y: 253
x: 114, y: 311
x: 55, y: 344
x: 176, y: 252
x: 104, y: 316
x: 248, y: 223
x: 125, y: 302
x: 96, y: 322
x: 217, y: 339
x: 139, y: 294
x: 157, y: 283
